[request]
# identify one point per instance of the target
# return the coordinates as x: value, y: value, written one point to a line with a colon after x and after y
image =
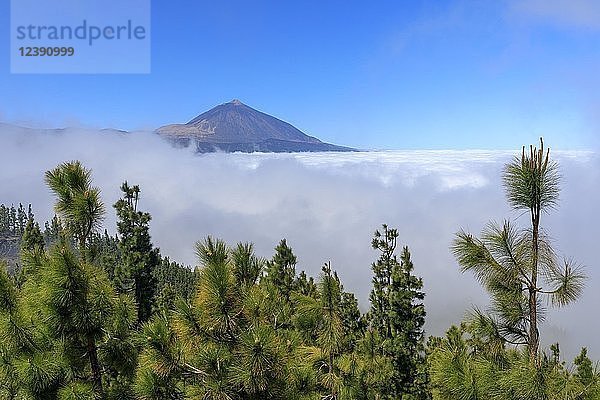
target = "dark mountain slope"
x: 234, y: 126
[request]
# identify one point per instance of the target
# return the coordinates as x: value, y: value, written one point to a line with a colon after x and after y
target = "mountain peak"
x: 230, y: 127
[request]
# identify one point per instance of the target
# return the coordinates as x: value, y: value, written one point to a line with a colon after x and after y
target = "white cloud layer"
x: 327, y: 205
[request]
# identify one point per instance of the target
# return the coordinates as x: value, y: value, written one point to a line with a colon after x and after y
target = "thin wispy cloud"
x: 560, y: 13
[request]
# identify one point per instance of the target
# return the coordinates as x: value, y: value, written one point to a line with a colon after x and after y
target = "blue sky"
x: 390, y: 74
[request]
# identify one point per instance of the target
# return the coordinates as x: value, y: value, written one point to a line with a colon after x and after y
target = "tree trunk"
x: 82, y: 241
x: 534, y: 336
x: 138, y: 297
x: 533, y: 341
x: 95, y: 366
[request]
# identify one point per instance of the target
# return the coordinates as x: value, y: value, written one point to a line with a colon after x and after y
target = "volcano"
x: 234, y: 126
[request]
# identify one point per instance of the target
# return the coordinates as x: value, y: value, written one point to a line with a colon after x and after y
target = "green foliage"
x: 485, y: 358
x: 99, y: 316
x: 77, y: 296
x: 352, y: 320
x: 462, y: 369
x: 218, y: 300
x: 175, y: 277
x: 260, y: 363
x: 237, y: 338
x: 305, y: 285
x: 139, y: 259
x: 246, y: 266
x: 14, y: 220
x: 65, y: 333
x: 326, y: 312
x: 14, y: 224
x: 104, y: 253
x: 518, y: 265
x: 53, y: 231
x: 32, y: 239
x: 8, y: 293
x: 281, y: 270
x: 158, y: 371
x: 532, y: 181
x: 77, y: 201
x: 76, y: 391
x: 397, y: 316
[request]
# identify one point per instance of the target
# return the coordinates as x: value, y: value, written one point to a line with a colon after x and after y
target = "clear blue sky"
x: 385, y: 74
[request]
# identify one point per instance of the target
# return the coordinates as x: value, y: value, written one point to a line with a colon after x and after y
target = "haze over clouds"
x: 327, y: 205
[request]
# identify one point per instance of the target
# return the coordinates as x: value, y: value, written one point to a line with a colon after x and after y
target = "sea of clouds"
x: 327, y: 205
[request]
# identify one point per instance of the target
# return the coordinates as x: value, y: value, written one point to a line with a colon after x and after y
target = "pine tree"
x: 382, y: 275
x: 324, y: 312
x: 4, y: 219
x: 32, y: 239
x: 397, y: 313
x: 246, y: 266
x: 586, y: 376
x: 22, y: 218
x: 407, y: 317
x: 32, y: 248
x: 518, y: 266
x: 10, y: 233
x: 181, y: 279
x: 138, y: 257
x: 228, y: 342
x: 305, y: 285
x: 77, y: 201
x: 218, y: 299
x: 281, y: 270
x: 62, y: 313
x: 13, y: 221
x: 468, y: 365
x: 53, y: 231
x: 105, y: 253
x: 352, y: 320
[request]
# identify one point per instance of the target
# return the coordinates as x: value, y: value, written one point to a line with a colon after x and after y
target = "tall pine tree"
x: 139, y: 258
x: 397, y: 313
